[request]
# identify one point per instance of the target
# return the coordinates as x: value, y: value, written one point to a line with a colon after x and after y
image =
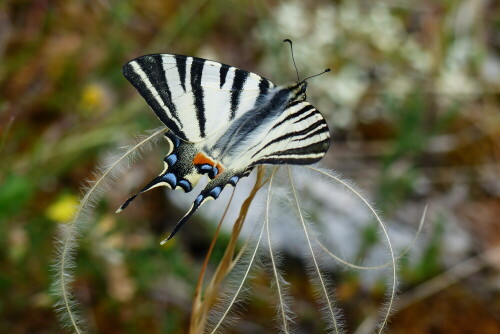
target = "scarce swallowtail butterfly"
x: 223, y: 121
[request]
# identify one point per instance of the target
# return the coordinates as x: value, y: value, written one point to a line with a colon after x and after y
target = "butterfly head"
x: 299, y: 91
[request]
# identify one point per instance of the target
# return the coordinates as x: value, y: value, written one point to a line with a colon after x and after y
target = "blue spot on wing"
x: 213, y: 189
x: 171, y: 159
x: 175, y: 140
x: 206, y: 168
x: 233, y: 180
x: 215, y: 192
x: 170, y: 178
x: 185, y: 185
x: 198, y: 200
x: 215, y: 171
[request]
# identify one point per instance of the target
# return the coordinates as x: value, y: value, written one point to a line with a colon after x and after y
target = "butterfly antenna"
x: 293, y: 58
x: 312, y: 76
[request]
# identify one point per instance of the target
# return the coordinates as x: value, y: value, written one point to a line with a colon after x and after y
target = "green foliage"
x: 64, y: 103
x: 17, y: 191
x: 369, y: 238
x: 429, y: 263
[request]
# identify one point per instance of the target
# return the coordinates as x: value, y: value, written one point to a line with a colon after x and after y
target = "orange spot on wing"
x: 201, y: 159
x: 220, y: 169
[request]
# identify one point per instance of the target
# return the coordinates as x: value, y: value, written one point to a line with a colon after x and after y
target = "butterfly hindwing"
x: 299, y: 136
x: 184, y: 164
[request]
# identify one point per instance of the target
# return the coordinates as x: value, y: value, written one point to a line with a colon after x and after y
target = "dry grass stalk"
x: 205, y: 298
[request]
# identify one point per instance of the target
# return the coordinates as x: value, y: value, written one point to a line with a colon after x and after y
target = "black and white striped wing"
x: 299, y: 136
x: 194, y: 97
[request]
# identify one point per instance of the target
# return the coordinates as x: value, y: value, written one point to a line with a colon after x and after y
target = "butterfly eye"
x: 302, y: 91
x: 303, y: 87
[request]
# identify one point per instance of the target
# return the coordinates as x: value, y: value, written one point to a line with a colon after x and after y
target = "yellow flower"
x: 63, y: 209
x: 93, y: 97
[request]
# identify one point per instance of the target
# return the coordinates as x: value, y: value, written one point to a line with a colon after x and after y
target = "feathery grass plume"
x: 202, y: 319
x: 67, y: 243
x: 380, y: 266
x: 215, y: 305
x: 284, y: 313
x: 323, y: 287
x: 228, y: 305
x: 249, y: 259
x: 199, y: 309
x: 220, y: 306
x: 387, y: 308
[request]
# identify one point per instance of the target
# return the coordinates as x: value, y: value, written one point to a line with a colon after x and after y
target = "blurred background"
x: 412, y: 103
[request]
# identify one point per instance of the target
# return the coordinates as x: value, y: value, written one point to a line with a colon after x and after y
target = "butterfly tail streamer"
x: 154, y: 183
x: 387, y: 308
x: 183, y: 220
x: 331, y: 314
x: 212, y: 191
x: 202, y: 198
x: 63, y: 267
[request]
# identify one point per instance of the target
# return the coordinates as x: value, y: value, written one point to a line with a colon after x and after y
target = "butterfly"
x: 223, y: 121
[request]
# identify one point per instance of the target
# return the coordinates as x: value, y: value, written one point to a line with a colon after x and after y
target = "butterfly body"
x: 223, y: 122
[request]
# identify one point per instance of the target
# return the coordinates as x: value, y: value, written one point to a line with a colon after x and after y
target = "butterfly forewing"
x: 194, y: 97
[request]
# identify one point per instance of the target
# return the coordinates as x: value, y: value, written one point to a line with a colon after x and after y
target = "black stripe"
x: 322, y: 129
x: 289, y: 117
x: 152, y: 66
x: 247, y: 172
x: 294, y: 103
x: 292, y: 134
x: 196, y: 74
x: 263, y: 90
x: 240, y: 77
x: 286, y: 161
x: 184, y: 219
x: 293, y: 115
x: 223, y: 73
x: 181, y: 67
x: 319, y: 147
x: 303, y: 118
